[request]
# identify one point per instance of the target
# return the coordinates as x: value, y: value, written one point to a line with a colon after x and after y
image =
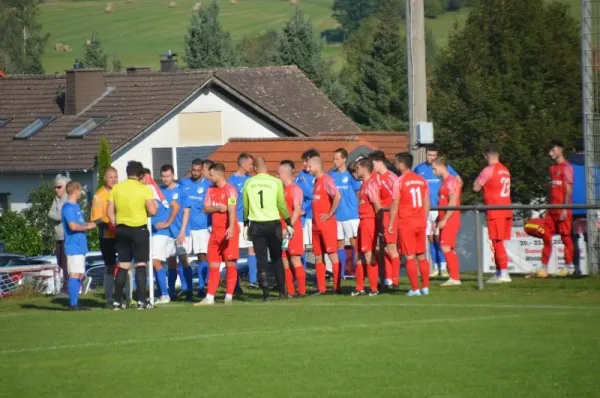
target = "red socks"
x: 373, y: 273
x: 289, y: 281
x: 214, y: 277
x: 396, y: 271
x: 424, y: 271
x: 388, y: 266
x: 500, y: 254
x: 359, y: 274
x: 413, y: 273
x: 231, y: 278
x: 336, y: 275
x: 453, y: 267
x: 301, y: 278
x: 320, y: 271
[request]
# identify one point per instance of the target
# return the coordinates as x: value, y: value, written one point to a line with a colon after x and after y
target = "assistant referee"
x: 130, y: 203
x: 264, y: 207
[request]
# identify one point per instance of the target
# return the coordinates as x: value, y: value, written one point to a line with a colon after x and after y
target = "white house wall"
x: 235, y: 122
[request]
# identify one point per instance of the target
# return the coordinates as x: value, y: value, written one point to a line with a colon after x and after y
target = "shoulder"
x: 421, y: 167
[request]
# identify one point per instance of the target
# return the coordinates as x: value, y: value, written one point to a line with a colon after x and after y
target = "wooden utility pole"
x: 417, y: 80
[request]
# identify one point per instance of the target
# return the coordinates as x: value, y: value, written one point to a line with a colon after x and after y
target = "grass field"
x: 529, y: 339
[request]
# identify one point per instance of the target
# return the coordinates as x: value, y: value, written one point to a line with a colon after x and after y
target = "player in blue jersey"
x: 347, y: 211
x: 245, y: 163
x: 438, y: 261
x: 306, y: 182
x: 179, y: 232
x: 196, y: 187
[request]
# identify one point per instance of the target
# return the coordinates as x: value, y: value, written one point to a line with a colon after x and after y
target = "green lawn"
x: 530, y: 339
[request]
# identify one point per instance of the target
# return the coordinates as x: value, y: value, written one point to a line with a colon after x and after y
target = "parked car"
x: 5, y: 258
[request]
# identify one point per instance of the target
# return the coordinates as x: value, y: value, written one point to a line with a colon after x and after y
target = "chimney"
x: 138, y: 70
x: 168, y: 66
x: 83, y: 87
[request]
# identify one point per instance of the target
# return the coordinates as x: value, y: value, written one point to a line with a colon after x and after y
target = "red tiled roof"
x: 390, y: 142
x: 274, y: 150
x: 282, y: 96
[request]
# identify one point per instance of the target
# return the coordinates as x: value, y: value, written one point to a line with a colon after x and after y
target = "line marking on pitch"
x: 399, y: 324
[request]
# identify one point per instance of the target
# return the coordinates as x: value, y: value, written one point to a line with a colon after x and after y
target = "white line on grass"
x: 404, y: 323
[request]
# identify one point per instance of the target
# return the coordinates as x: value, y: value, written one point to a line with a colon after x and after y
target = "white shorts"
x: 199, y: 241
x: 76, y: 264
x: 307, y: 232
x: 244, y: 244
x: 163, y: 247
x: 347, y: 229
x: 431, y: 219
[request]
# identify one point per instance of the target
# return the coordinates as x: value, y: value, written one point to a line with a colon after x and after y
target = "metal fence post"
x: 479, y: 250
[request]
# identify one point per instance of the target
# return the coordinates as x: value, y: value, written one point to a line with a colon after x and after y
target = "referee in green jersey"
x: 264, y: 207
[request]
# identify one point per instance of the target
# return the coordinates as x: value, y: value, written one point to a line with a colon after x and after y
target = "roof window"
x: 34, y: 127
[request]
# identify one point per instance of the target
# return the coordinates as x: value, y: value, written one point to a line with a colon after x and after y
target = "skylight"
x: 87, y: 127
x: 33, y: 128
x: 3, y: 121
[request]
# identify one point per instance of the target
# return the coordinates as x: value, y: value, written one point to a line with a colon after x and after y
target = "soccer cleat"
x: 79, y: 308
x: 434, y: 274
x: 562, y: 273
x: 541, y: 273
x: 162, y: 300
x: 358, y: 293
x: 205, y: 302
x: 413, y: 293
x: 253, y: 286
x: 504, y: 279
x: 375, y: 293
x: 228, y: 301
x: 317, y: 293
x: 444, y: 274
x: 425, y: 291
x: 119, y: 306
x: 388, y: 283
x: 144, y: 306
x: 493, y: 279
x: 451, y: 282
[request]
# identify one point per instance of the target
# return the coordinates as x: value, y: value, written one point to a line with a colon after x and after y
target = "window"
x: 87, y: 127
x: 4, y: 203
x: 3, y: 121
x: 33, y: 128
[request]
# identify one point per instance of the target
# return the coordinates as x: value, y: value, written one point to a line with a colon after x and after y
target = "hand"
x: 325, y: 217
x: 390, y: 229
x: 229, y: 233
x: 441, y: 224
x: 246, y: 233
x: 111, y: 228
x: 161, y: 225
x: 563, y: 215
x: 289, y: 232
x: 221, y: 208
x: 91, y: 225
x: 181, y: 238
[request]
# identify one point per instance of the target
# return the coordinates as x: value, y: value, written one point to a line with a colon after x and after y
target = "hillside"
x: 142, y: 30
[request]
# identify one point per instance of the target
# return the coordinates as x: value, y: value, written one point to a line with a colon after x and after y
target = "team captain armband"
x: 231, y: 201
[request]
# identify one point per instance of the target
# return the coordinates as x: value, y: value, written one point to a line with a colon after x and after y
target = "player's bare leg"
x: 214, y: 277
x: 453, y: 266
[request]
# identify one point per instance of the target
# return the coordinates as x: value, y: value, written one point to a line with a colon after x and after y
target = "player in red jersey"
x: 386, y: 180
x: 448, y: 221
x: 293, y: 200
x: 558, y: 221
x: 223, y: 244
x: 368, y: 206
x: 326, y: 199
x: 494, y: 180
x: 410, y: 208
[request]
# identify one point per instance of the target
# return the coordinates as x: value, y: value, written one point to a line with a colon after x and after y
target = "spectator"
x: 55, y: 212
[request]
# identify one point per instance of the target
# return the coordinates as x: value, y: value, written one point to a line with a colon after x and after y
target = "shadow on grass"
x: 61, y: 304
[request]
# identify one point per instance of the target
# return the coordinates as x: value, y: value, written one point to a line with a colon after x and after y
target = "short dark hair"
x: 490, y: 149
x: 208, y: 163
x: 220, y: 167
x: 556, y: 143
x: 431, y: 148
x: 352, y: 166
x: 167, y: 167
x: 197, y: 162
x: 366, y: 163
x: 243, y: 156
x: 147, y: 172
x: 134, y: 169
x: 311, y: 153
x: 377, y: 156
x: 342, y: 152
x: 406, y: 158
x: 289, y: 163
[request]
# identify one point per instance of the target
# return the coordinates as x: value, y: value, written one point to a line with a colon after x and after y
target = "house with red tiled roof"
x: 54, y: 124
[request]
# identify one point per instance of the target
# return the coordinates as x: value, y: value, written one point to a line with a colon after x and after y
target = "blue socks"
x: 161, y: 281
x: 172, y: 279
x: 182, y: 279
x: 440, y: 254
x: 202, y: 274
x: 252, y: 270
x: 73, y: 289
x: 187, y: 278
x: 303, y: 259
x: 342, y: 257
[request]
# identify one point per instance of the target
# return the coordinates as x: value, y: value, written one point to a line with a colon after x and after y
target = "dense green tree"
x: 350, y: 13
x: 19, y: 236
x: 207, y: 45
x: 260, y: 50
x: 93, y: 54
x: 21, y: 40
x: 40, y: 200
x: 104, y: 160
x: 510, y: 76
x: 117, y: 64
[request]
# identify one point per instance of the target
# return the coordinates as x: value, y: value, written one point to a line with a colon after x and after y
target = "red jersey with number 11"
x: 410, y: 189
x: 495, y: 180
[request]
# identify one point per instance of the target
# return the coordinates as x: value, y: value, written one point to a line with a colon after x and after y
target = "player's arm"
x: 174, y: 205
x: 426, y: 202
x: 232, y: 208
x: 455, y: 174
x: 297, y: 207
x: 482, y: 179
x: 71, y: 219
x: 452, y: 201
x: 208, y: 206
x: 98, y: 210
x: 337, y: 197
x: 395, y: 203
x: 281, y: 206
x: 110, y: 209
x: 568, y: 183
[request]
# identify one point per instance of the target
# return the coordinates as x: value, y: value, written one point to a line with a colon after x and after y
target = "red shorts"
x: 390, y: 238
x: 296, y: 245
x: 412, y: 240
x: 555, y: 226
x: 367, y: 235
x: 324, y: 237
x: 500, y: 228
x: 449, y: 234
x: 221, y: 249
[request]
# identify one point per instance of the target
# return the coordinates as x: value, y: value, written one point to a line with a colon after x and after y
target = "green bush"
x: 19, y: 236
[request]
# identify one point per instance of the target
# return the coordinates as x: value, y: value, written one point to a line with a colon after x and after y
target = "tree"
x: 21, y: 40
x: 94, y: 55
x: 104, y: 159
x: 379, y: 90
x: 207, y: 45
x: 510, y: 77
x: 19, y: 236
x: 117, y: 65
x: 260, y: 50
x: 350, y: 13
x: 40, y: 200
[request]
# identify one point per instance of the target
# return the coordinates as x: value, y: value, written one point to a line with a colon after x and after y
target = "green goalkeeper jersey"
x: 264, y: 199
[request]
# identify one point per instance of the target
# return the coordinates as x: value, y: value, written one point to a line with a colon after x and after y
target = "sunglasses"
x: 59, y: 187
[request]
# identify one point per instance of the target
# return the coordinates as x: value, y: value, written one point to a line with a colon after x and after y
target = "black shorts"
x: 109, y: 253
x: 133, y: 243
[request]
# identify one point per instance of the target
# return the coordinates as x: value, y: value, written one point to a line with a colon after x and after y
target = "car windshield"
x: 5, y: 259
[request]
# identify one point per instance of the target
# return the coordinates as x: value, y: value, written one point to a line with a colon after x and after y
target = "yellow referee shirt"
x: 130, y: 198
